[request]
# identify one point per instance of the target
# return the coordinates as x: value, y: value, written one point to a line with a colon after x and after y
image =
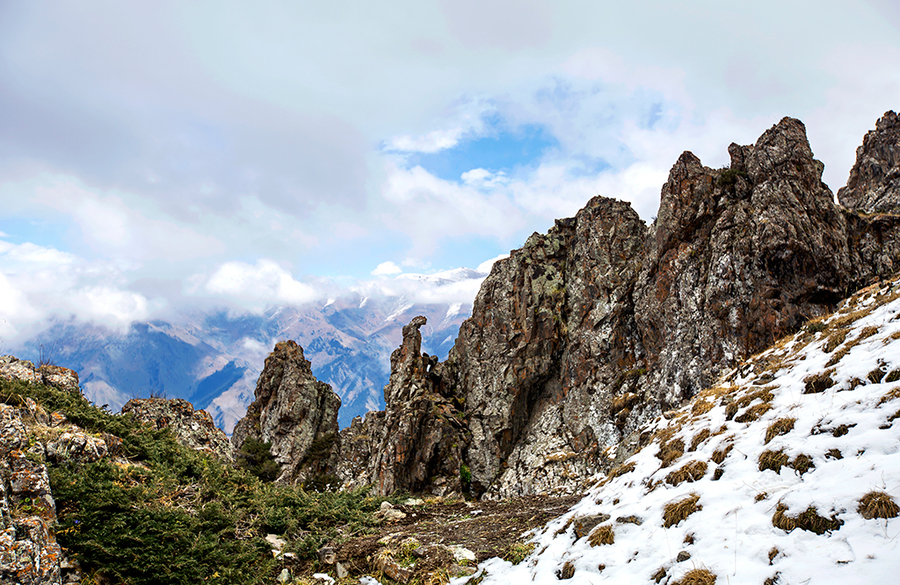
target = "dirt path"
x: 487, y: 529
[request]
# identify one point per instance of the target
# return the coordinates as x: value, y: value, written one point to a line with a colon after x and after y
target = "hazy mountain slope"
x: 775, y: 472
x: 213, y: 359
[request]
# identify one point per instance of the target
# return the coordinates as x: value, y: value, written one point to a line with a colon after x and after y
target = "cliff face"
x: 294, y: 412
x: 587, y: 332
x: 874, y: 184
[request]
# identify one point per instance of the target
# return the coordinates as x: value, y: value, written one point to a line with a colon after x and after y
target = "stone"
x: 294, y: 412
x: 326, y: 555
x: 874, y: 183
x: 192, y: 428
x: 584, y: 524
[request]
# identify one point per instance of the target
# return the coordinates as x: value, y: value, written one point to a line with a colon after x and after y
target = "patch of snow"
x: 849, y: 431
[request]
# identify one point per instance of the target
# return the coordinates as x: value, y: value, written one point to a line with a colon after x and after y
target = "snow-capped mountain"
x: 786, y: 472
x: 213, y: 358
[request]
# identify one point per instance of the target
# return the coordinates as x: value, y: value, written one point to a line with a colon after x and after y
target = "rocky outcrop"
x: 29, y: 552
x: 294, y: 412
x: 874, y: 184
x: 588, y: 332
x: 591, y: 330
x: 192, y: 428
x: 415, y: 444
x: 12, y: 368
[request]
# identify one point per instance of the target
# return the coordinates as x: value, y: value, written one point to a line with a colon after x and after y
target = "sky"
x: 158, y: 156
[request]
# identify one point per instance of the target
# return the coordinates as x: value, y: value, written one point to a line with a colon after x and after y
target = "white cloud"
x: 434, y: 141
x: 258, y: 286
x: 39, y: 283
x: 386, y: 268
x: 427, y: 208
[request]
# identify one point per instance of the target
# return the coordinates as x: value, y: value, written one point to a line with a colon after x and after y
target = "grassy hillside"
x: 153, y: 511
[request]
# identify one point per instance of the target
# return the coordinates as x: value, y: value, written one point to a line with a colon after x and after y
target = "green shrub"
x: 164, y: 513
x: 256, y: 457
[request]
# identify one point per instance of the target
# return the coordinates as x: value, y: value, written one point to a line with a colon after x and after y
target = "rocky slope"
x: 786, y: 471
x: 588, y: 332
x: 192, y: 428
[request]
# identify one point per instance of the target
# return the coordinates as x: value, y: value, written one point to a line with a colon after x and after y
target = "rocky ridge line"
x: 591, y: 330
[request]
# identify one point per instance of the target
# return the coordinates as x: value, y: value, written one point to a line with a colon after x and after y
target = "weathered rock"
x: 586, y: 333
x: 12, y: 368
x: 192, y: 428
x: 874, y: 183
x: 294, y: 412
x: 416, y: 443
x: 29, y: 553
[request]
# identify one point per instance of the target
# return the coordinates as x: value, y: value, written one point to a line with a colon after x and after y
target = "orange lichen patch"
x: 780, y: 427
x: 690, y: 472
x: 878, y: 505
x: 675, y: 512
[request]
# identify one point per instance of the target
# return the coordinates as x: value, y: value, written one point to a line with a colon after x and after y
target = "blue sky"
x: 162, y: 155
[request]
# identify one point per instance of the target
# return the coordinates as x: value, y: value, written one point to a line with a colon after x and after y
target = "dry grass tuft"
x: 878, y: 505
x: 701, y: 407
x: 866, y: 333
x: 773, y: 460
x: 875, y: 375
x: 818, y: 382
x: 780, y: 427
x: 893, y: 337
x: 721, y: 453
x: 697, y: 577
x: 845, y: 320
x: 689, y: 538
x: 802, y: 463
x: 602, y: 535
x: 760, y: 497
x: 808, y: 520
x: 892, y: 376
x: 690, y: 472
x: 566, y: 572
x: 670, y: 451
x: 773, y: 552
x: 699, y: 438
x: 894, y: 394
x: 753, y: 413
x: 834, y: 340
x: 622, y: 470
x: 675, y: 512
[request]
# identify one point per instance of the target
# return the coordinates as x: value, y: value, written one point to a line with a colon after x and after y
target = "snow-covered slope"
x: 787, y: 472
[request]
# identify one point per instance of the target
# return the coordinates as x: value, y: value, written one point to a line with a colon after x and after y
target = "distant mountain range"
x: 213, y: 358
